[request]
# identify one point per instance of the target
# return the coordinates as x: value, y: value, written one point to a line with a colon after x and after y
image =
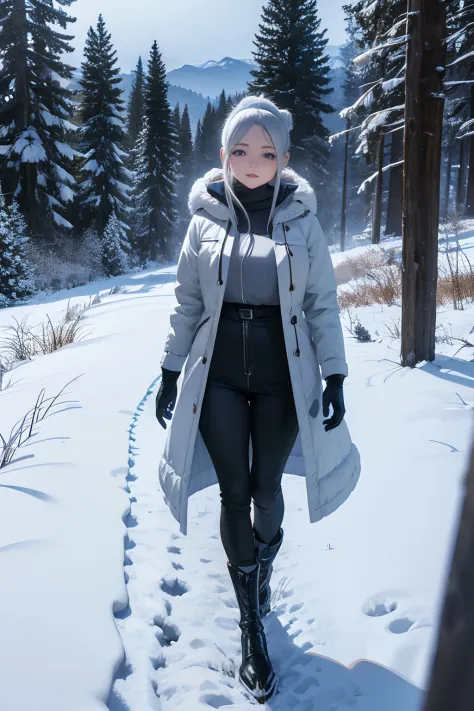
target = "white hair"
x: 276, y: 122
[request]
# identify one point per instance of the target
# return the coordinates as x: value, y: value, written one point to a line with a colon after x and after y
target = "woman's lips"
x: 252, y: 175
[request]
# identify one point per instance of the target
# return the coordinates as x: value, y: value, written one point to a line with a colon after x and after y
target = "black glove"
x: 166, y: 396
x: 334, y: 396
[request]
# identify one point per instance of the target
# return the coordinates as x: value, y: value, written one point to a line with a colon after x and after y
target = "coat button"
x: 204, y: 360
x: 287, y: 228
x: 293, y: 320
x: 194, y: 408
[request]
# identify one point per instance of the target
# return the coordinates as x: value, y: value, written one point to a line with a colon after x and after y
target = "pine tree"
x: 105, y: 186
x: 35, y: 106
x: 221, y: 111
x: 114, y: 247
x: 187, y: 169
x: 177, y: 118
x: 293, y: 71
x: 15, y: 272
x: 198, y: 147
x: 135, y: 105
x: 156, y: 171
x: 208, y: 141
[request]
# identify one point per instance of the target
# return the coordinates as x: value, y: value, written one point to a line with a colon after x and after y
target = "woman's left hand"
x: 333, y: 395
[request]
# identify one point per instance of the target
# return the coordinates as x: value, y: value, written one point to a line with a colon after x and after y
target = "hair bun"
x: 287, y: 118
x: 265, y: 104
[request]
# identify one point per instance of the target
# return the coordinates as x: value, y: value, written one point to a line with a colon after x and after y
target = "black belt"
x: 250, y: 312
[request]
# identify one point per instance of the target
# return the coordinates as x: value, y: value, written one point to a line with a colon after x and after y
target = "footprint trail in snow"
x: 180, y: 629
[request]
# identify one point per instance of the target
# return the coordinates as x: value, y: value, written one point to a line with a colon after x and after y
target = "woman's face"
x: 253, y: 159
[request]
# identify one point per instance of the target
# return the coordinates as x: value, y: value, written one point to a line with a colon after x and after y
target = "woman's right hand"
x: 166, y: 396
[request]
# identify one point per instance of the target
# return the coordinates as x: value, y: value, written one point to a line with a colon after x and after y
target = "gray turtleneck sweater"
x: 252, y: 277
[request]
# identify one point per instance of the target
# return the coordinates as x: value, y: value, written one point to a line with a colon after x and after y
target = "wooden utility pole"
x: 344, y: 186
x: 426, y: 54
x: 452, y: 681
x: 377, y: 209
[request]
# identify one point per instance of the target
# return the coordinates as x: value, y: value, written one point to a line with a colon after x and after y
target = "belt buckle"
x: 242, y: 315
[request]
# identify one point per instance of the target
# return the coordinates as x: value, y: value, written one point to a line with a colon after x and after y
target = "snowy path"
x: 180, y: 629
x: 355, y: 616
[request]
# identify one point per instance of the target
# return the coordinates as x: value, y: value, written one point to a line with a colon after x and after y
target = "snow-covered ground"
x: 104, y: 604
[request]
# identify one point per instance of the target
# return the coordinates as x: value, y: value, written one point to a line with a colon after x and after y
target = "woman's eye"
x: 238, y: 151
x: 270, y: 156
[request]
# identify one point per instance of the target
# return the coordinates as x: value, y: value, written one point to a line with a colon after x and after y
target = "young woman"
x: 256, y: 328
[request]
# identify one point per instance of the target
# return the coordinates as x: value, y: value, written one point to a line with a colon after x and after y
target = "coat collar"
x: 297, y: 201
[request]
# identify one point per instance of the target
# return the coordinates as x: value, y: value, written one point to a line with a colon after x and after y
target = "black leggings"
x: 249, y: 394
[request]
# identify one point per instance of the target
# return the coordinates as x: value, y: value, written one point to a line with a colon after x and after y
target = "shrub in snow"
x: 114, y: 247
x: 357, y: 330
x: 70, y: 262
x: 15, y: 271
x: 361, y: 334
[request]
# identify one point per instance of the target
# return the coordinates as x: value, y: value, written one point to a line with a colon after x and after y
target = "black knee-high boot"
x: 266, y: 553
x: 256, y: 672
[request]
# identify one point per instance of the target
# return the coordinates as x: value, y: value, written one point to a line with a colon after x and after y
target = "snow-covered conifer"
x: 16, y: 273
x: 35, y: 107
x: 155, y: 178
x: 135, y: 104
x: 293, y: 71
x: 115, y: 247
x: 106, y: 182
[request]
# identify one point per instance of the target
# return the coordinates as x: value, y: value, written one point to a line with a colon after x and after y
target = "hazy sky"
x: 187, y: 31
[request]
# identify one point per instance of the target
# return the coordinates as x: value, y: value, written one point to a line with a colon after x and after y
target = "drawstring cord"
x: 219, y: 277
x: 289, y: 254
x: 293, y: 321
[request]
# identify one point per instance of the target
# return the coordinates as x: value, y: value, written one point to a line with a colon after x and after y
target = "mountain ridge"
x: 196, y: 84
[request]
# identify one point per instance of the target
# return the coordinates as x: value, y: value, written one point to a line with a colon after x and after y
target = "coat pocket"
x: 309, y: 365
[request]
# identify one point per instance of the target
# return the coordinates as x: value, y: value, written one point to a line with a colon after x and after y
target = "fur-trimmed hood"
x: 200, y: 198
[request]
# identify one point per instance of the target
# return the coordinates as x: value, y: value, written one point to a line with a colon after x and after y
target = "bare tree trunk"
x: 395, y: 190
x: 344, y: 187
x: 469, y: 212
x: 377, y: 209
x: 447, y: 186
x: 452, y: 681
x: 426, y: 52
x: 461, y: 178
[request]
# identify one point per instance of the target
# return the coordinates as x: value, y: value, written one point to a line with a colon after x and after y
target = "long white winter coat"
x: 328, y: 460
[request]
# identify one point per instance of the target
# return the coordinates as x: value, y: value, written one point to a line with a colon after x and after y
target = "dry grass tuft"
x: 23, y: 342
x: 23, y: 429
x: 382, y: 285
x: 455, y: 288
x: 355, y: 267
